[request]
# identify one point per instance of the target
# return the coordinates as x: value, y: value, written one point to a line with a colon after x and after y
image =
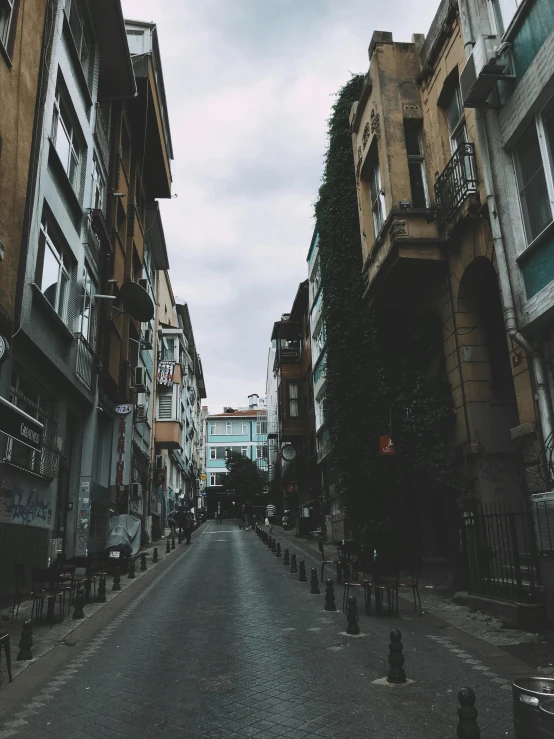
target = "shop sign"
x: 120, y: 464
x: 20, y: 426
x: 386, y: 446
x: 123, y: 409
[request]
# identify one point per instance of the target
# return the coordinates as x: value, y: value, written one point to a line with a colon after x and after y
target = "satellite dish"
x: 136, y: 301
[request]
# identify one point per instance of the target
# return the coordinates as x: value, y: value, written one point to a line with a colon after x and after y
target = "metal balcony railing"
x: 86, y: 361
x: 457, y: 182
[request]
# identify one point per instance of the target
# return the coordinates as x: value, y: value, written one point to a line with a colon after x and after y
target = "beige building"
x: 428, y: 251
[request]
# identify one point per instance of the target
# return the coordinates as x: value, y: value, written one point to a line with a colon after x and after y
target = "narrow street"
x: 225, y: 642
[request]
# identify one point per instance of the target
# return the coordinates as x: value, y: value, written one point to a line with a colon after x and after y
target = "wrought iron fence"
x: 85, y: 361
x: 500, y: 552
x: 456, y: 183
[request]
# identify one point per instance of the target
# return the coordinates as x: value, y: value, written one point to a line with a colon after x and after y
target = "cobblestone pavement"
x: 225, y: 642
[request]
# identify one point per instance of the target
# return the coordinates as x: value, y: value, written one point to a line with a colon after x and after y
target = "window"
x: 244, y: 451
x: 377, y: 198
x: 244, y: 429
x: 416, y: 164
x: 533, y: 163
x: 228, y: 428
x: 261, y: 451
x: 65, y: 138
x: 82, y: 36
x: 213, y: 451
x: 98, y: 193
x: 126, y: 153
x: 165, y: 404
x: 86, y: 319
x: 6, y: 20
x: 52, y: 275
x: 217, y: 478
x: 294, y: 400
x: 213, y: 429
x: 319, y: 338
x: 261, y: 427
x: 456, y: 119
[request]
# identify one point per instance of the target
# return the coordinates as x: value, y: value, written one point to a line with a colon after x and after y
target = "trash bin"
x: 546, y: 712
x: 527, y: 695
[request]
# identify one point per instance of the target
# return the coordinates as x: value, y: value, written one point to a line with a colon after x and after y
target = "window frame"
x: 76, y: 11
x: 88, y: 291
x: 213, y: 452
x: 213, y: 428
x: 63, y: 115
x: 546, y: 148
x: 244, y: 429
x: 228, y: 428
x: 7, y: 34
x: 377, y: 198
x: 417, y: 159
x: 58, y: 252
x: 99, y: 186
x: 291, y: 400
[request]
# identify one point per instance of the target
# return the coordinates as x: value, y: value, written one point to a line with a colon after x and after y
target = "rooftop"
x: 253, y: 412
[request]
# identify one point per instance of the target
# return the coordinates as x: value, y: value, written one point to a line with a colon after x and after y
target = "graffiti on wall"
x: 29, y: 507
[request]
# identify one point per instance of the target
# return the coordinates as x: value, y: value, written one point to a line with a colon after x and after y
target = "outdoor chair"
x: 19, y: 592
x: 350, y: 582
x: 5, y: 645
x: 325, y: 561
x: 385, y: 581
x: 44, y: 589
x: 412, y: 582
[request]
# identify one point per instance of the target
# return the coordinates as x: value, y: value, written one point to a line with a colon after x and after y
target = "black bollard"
x: 26, y: 642
x: 78, y: 604
x: 468, y: 728
x: 286, y: 560
x: 167, y: 546
x: 269, y: 542
x: 179, y: 538
x: 302, y: 572
x: 132, y: 569
x: 396, y: 658
x: 116, y: 580
x: 155, y: 555
x: 352, y: 616
x: 173, y: 541
x: 293, y: 569
x: 314, y: 582
x: 278, y: 550
x: 101, y: 596
x: 143, y: 567
x: 273, y: 545
x: 330, y: 604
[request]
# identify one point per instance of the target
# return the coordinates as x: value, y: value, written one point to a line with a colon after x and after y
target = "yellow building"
x: 427, y: 249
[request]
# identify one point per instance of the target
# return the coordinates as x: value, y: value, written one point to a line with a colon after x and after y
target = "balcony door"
x: 461, y: 161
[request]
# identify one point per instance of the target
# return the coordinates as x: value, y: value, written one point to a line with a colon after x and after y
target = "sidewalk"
x: 46, y: 638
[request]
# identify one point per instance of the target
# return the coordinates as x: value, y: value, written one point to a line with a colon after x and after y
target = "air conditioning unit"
x: 147, y: 338
x: 542, y: 507
x: 136, y: 490
x: 143, y: 282
x: 482, y: 70
x: 159, y: 463
x: 140, y: 413
x: 140, y: 380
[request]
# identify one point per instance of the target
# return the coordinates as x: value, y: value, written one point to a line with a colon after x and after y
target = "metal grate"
x: 86, y: 359
x: 457, y: 182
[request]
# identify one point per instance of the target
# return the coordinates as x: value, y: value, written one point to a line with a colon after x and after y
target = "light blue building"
x: 241, y: 430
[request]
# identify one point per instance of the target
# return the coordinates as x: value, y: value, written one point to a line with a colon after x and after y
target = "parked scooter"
x: 286, y: 521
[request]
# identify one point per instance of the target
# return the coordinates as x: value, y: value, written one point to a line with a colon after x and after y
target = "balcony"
x: 168, y: 435
x: 457, y: 182
x: 85, y: 367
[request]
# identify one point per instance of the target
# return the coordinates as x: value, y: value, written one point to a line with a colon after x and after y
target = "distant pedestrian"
x: 270, y: 513
x: 218, y: 514
x: 247, y: 512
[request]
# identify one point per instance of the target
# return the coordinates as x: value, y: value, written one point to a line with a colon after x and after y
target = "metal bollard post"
x: 278, y: 550
x: 314, y: 582
x: 468, y: 728
x: 116, y: 580
x: 274, y: 545
x: 352, y: 616
x: 132, y: 569
x: 167, y: 547
x: 173, y: 541
x: 143, y: 566
x: 286, y: 560
x: 293, y: 568
x: 78, y: 604
x: 330, y: 604
x: 179, y: 538
x: 101, y: 596
x: 396, y: 658
x: 302, y: 572
x: 269, y: 542
x: 26, y: 642
x: 155, y: 555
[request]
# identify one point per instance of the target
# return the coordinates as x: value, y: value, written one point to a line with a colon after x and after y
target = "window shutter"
x: 165, y: 403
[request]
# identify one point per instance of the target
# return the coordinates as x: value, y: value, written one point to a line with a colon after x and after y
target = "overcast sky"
x: 249, y: 85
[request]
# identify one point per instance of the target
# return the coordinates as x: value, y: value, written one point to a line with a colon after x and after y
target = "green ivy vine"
x: 385, y: 370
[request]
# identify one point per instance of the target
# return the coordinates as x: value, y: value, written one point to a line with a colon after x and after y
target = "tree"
x: 244, y: 478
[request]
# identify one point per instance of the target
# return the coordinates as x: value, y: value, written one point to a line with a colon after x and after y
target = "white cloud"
x: 249, y: 88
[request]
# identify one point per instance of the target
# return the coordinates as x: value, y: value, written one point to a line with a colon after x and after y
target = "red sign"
x: 386, y: 446
x: 120, y: 464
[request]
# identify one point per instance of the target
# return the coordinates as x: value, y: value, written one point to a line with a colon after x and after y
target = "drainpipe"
x: 510, y: 316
